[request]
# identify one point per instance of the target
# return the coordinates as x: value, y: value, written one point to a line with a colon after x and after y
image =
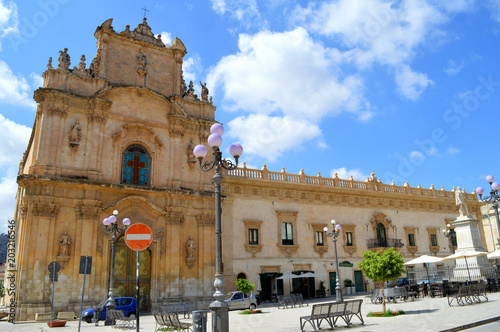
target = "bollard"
x: 200, y: 320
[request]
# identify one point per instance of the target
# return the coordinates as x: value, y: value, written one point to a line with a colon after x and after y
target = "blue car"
x: 126, y: 304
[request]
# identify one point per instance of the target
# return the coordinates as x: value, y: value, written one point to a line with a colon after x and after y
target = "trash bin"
x: 200, y: 320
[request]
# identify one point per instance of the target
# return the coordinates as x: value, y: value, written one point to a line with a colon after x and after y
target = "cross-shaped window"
x: 136, y: 165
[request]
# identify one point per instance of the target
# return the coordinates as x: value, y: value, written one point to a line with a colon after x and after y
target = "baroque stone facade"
x: 119, y: 136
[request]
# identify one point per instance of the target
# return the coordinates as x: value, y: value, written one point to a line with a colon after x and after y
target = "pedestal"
x: 468, y: 238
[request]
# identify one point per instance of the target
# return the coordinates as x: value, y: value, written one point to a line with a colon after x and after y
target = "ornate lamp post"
x: 220, y: 321
x: 493, y: 199
x: 450, y: 233
x: 112, y: 227
x: 334, y: 234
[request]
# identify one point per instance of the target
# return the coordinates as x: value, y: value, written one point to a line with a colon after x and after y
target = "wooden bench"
x: 171, y: 322
x: 162, y: 322
x: 184, y: 308
x: 122, y: 322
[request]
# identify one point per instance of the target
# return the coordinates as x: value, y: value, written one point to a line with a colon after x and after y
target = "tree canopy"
x: 382, y: 266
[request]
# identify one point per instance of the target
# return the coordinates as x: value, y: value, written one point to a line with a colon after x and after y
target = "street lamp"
x: 334, y: 234
x: 220, y: 321
x: 450, y: 233
x: 493, y: 199
x: 112, y: 227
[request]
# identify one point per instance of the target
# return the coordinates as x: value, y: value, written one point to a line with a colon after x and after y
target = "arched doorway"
x: 125, y: 273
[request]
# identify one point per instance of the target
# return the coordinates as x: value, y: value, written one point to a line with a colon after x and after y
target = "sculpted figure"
x: 190, y: 247
x: 64, y: 59
x: 75, y: 132
x: 460, y: 202
x: 204, y: 91
x: 64, y: 242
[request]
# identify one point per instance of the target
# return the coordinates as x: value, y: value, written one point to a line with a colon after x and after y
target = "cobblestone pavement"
x: 428, y: 314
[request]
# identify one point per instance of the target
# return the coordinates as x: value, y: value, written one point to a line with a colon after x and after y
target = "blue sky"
x: 407, y: 89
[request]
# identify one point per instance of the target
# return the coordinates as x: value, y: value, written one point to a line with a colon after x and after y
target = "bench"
x: 184, y: 308
x: 290, y: 300
x: 331, y: 312
x: 122, y: 322
x: 468, y: 294
x: 393, y: 294
x: 66, y: 315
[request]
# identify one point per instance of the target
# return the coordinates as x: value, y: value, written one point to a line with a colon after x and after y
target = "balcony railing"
x: 385, y: 243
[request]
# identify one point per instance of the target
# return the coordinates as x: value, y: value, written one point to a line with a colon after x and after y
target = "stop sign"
x: 138, y: 237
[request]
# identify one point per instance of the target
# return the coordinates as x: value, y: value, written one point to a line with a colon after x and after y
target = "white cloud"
x: 244, y: 11
x: 494, y: 7
x: 454, y: 67
x: 191, y: 69
x: 269, y: 136
x: 37, y: 79
x: 14, y: 138
x: 166, y: 38
x: 417, y: 156
x: 8, y: 18
x: 345, y: 174
x: 14, y: 89
x: 411, y: 84
x: 452, y: 150
x: 286, y: 75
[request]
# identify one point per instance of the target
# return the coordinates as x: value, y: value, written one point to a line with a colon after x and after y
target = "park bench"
x: 286, y: 300
x: 319, y: 313
x: 184, y: 308
x: 170, y: 322
x: 468, y: 294
x: 393, y: 294
x: 331, y: 312
x: 122, y: 322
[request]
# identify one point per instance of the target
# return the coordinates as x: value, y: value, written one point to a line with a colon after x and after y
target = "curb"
x: 471, y: 325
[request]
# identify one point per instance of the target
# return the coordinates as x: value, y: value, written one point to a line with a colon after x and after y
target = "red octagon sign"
x: 138, y: 237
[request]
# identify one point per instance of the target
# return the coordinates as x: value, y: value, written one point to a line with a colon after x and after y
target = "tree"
x: 246, y: 287
x: 382, y: 266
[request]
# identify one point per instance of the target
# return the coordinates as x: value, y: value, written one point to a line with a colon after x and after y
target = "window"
x: 434, y: 241
x: 319, y: 238
x: 253, y: 236
x: 286, y: 233
x: 411, y: 240
x: 136, y: 165
x: 381, y: 238
x: 348, y: 239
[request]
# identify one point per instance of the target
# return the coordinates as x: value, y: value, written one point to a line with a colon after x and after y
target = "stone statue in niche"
x: 64, y: 60
x: 460, y: 202
x: 204, y: 92
x: 190, y: 248
x: 142, y: 64
x: 190, y: 154
x: 75, y: 134
x: 64, y: 243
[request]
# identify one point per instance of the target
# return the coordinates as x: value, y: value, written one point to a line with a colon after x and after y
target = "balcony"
x: 385, y: 243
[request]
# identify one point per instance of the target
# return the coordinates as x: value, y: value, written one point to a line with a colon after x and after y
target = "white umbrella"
x: 309, y: 275
x: 464, y: 253
x: 288, y: 276
x: 424, y: 259
x: 494, y: 254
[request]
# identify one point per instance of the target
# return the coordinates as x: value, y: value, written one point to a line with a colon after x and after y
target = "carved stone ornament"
x: 412, y: 249
x: 75, y: 134
x: 350, y: 250
x: 141, y: 70
x: 88, y: 212
x: 190, y: 155
x: 288, y: 250
x: 64, y: 60
x: 204, y: 92
x: 206, y: 219
x: 190, y: 249
x: 45, y: 210
x: 321, y: 250
x: 253, y: 249
x: 64, y: 248
x: 160, y: 235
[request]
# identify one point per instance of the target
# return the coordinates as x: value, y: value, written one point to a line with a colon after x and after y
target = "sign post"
x: 53, y: 267
x: 138, y: 237
x: 85, y: 268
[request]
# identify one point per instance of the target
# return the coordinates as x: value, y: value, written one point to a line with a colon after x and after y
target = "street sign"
x: 54, y: 267
x: 138, y: 237
x: 88, y: 268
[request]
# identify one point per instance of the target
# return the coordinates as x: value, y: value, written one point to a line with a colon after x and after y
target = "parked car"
x: 126, y: 304
x: 399, y: 282
x: 238, y: 300
x: 433, y: 279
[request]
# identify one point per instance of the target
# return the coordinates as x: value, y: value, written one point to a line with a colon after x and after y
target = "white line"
x: 138, y: 237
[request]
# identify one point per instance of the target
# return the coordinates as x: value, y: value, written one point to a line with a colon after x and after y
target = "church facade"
x: 118, y: 135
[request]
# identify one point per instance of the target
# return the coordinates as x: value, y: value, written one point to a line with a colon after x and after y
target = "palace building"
x: 118, y: 134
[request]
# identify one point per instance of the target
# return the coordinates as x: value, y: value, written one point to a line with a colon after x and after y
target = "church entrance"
x: 125, y: 273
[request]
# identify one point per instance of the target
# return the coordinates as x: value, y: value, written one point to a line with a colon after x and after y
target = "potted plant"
x: 348, y: 285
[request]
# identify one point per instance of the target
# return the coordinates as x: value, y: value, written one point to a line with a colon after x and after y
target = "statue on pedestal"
x: 460, y: 202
